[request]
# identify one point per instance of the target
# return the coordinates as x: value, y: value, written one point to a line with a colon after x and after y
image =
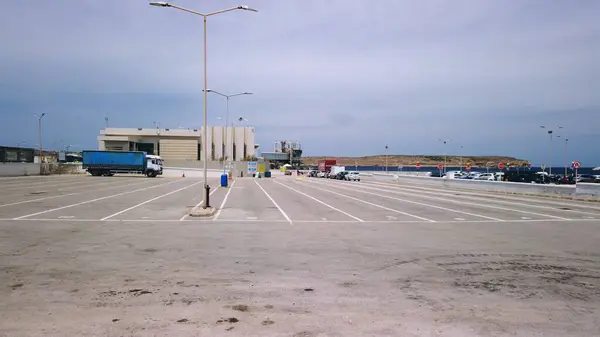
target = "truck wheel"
x: 95, y: 173
x: 151, y: 174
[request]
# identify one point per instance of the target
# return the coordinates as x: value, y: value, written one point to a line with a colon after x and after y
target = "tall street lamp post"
x: 227, y: 116
x: 566, y: 146
x: 41, y: 147
x: 550, y: 133
x: 205, y: 130
x: 386, y: 158
x: 445, y: 152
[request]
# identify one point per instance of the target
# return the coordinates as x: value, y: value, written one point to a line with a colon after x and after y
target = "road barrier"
x: 19, y: 169
x: 583, y: 191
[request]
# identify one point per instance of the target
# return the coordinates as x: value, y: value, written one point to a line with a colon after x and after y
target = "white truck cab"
x: 154, y: 165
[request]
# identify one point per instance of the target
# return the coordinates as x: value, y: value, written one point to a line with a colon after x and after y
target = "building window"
x: 245, y: 153
x: 158, y: 148
x: 212, y: 151
x: 199, y: 152
x: 223, y: 152
x: 233, y: 154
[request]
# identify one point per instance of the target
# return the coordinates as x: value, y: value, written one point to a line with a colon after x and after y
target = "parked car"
x: 568, y: 180
x: 352, y: 176
x: 341, y: 175
x: 487, y: 176
x: 585, y: 178
x: 472, y: 175
x: 454, y: 174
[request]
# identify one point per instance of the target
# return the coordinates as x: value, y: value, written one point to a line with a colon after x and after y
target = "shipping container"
x: 325, y: 165
x: 107, y: 163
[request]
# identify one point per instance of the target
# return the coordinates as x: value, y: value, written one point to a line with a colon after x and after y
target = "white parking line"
x: 208, y: 220
x: 93, y: 200
x: 224, y: 201
x: 319, y: 201
x: 68, y: 194
x: 68, y: 183
x: 274, y: 203
x: 147, y: 201
x: 200, y: 203
x: 372, y: 204
x: 421, y: 195
x: 421, y: 204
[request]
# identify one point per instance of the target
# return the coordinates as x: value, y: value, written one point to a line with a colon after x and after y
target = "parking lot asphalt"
x: 292, y: 256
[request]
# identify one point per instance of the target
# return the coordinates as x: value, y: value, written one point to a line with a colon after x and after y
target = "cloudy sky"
x: 342, y: 77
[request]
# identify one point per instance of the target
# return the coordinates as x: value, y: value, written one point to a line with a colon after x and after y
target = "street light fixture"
x: 550, y: 132
x: 445, y: 151
x: 204, y: 131
x: 566, y: 146
x: 227, y: 113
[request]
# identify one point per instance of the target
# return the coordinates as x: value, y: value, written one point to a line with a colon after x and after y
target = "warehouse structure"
x: 231, y: 143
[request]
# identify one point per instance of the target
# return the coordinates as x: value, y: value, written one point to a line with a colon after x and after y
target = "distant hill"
x: 405, y: 160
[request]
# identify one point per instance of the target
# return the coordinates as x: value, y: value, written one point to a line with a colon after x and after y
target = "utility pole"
x: 550, y: 133
x: 386, y: 158
x: 41, y: 147
x: 445, y: 152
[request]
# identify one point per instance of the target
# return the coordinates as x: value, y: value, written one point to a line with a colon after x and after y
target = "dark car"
x: 341, y: 175
x: 568, y: 180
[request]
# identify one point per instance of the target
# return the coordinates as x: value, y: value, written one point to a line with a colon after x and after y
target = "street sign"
x: 440, y: 166
x: 418, y: 165
x: 261, y: 167
x: 501, y: 165
x: 252, y: 167
x: 468, y: 167
x: 576, y: 164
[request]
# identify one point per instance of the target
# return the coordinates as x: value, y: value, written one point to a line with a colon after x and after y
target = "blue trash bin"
x: 224, y: 180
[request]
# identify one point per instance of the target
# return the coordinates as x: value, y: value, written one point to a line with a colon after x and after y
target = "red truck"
x: 325, y: 165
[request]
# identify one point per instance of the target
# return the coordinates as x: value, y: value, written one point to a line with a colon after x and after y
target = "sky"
x: 344, y: 78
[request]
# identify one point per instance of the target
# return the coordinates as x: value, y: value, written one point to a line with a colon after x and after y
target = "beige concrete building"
x: 231, y: 143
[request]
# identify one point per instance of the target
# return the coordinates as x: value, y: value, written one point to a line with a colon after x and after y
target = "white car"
x: 454, y: 174
x: 352, y: 175
x: 487, y: 176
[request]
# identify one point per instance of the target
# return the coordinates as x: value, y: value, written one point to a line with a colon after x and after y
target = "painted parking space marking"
x: 148, y: 201
x: 208, y: 220
x: 421, y: 204
x: 375, y: 205
x: 94, y: 200
x: 216, y: 217
x: 198, y: 205
x: 274, y: 203
x: 470, y: 204
x: 320, y: 201
x: 68, y: 194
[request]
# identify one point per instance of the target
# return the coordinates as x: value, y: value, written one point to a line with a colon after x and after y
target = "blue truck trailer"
x: 107, y: 163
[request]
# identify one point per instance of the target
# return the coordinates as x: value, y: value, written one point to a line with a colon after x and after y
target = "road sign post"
x: 440, y: 167
x: 576, y: 165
